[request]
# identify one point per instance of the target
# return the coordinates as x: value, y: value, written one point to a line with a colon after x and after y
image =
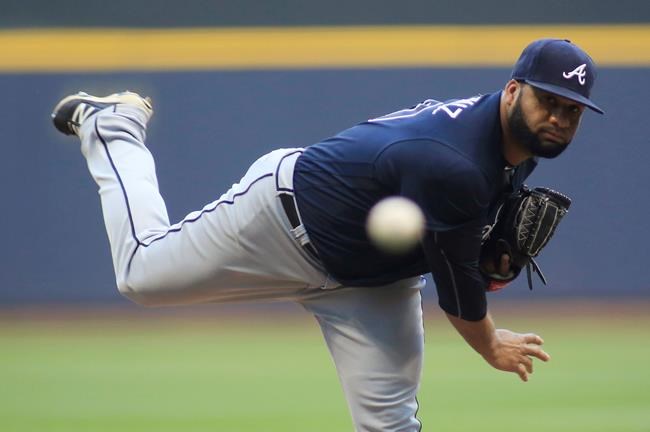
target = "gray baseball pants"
x: 241, y: 247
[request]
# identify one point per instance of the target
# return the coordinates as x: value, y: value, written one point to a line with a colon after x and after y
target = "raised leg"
x: 236, y: 248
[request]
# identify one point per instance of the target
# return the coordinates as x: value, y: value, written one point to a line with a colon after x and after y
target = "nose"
x: 559, y: 120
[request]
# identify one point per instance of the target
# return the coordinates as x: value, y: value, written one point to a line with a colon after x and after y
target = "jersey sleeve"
x: 454, y: 196
x: 453, y: 261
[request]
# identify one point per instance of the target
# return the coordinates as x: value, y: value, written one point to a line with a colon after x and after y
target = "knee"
x: 143, y: 294
x: 138, y: 298
x: 152, y: 290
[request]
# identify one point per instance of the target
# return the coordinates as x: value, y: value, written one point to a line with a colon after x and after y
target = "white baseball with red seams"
x: 395, y: 224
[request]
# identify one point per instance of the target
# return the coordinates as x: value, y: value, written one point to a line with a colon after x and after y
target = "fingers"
x: 523, y: 349
x: 504, y: 265
x: 532, y: 347
x: 529, y: 350
x: 525, y: 365
x: 527, y: 362
x: 521, y: 371
x: 532, y: 338
x: 537, y: 352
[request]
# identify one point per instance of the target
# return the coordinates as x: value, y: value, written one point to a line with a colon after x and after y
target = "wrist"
x: 492, y: 348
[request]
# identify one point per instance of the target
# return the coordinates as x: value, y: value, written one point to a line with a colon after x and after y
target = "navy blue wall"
x: 209, y: 126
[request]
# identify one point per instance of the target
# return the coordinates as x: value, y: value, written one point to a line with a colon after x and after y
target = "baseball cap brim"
x: 561, y: 91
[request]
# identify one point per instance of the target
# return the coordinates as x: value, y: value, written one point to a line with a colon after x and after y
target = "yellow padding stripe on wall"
x: 111, y: 49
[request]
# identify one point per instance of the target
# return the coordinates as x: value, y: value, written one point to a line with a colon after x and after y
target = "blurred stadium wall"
x: 231, y: 80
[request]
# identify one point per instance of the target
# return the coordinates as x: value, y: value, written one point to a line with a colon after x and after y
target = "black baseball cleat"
x: 70, y: 113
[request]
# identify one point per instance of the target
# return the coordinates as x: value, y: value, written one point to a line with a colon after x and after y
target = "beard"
x: 529, y: 139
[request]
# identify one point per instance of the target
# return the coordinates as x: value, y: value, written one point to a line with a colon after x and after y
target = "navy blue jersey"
x: 446, y: 157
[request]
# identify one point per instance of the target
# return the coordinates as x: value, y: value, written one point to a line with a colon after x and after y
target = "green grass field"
x: 169, y: 373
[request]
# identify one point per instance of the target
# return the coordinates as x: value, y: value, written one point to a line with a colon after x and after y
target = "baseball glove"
x: 524, y: 224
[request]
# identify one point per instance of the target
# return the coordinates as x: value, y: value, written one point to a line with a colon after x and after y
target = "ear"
x: 511, y: 91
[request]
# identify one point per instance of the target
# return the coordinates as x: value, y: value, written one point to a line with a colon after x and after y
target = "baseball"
x: 395, y: 224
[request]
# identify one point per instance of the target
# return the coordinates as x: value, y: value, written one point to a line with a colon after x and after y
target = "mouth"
x: 553, y: 136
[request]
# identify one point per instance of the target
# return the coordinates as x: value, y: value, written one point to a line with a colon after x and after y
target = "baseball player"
x: 294, y: 229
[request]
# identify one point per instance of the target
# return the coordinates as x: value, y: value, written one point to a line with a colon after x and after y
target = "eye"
x: 574, y: 110
x: 551, y: 100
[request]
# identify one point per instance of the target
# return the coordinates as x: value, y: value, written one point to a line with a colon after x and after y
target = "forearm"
x: 480, y: 335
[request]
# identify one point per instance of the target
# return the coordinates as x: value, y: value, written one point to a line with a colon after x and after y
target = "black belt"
x: 289, y: 205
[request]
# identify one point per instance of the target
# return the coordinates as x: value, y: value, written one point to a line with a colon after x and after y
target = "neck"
x: 513, y: 151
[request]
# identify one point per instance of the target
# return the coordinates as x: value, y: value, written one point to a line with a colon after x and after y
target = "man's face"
x: 542, y: 122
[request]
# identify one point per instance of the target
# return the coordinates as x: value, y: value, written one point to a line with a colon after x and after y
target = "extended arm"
x: 502, y: 349
x: 461, y: 292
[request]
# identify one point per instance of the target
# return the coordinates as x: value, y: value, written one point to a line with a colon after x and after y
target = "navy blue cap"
x: 560, y: 67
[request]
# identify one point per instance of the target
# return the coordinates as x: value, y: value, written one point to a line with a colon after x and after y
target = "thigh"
x: 376, y: 338
x: 237, y: 248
